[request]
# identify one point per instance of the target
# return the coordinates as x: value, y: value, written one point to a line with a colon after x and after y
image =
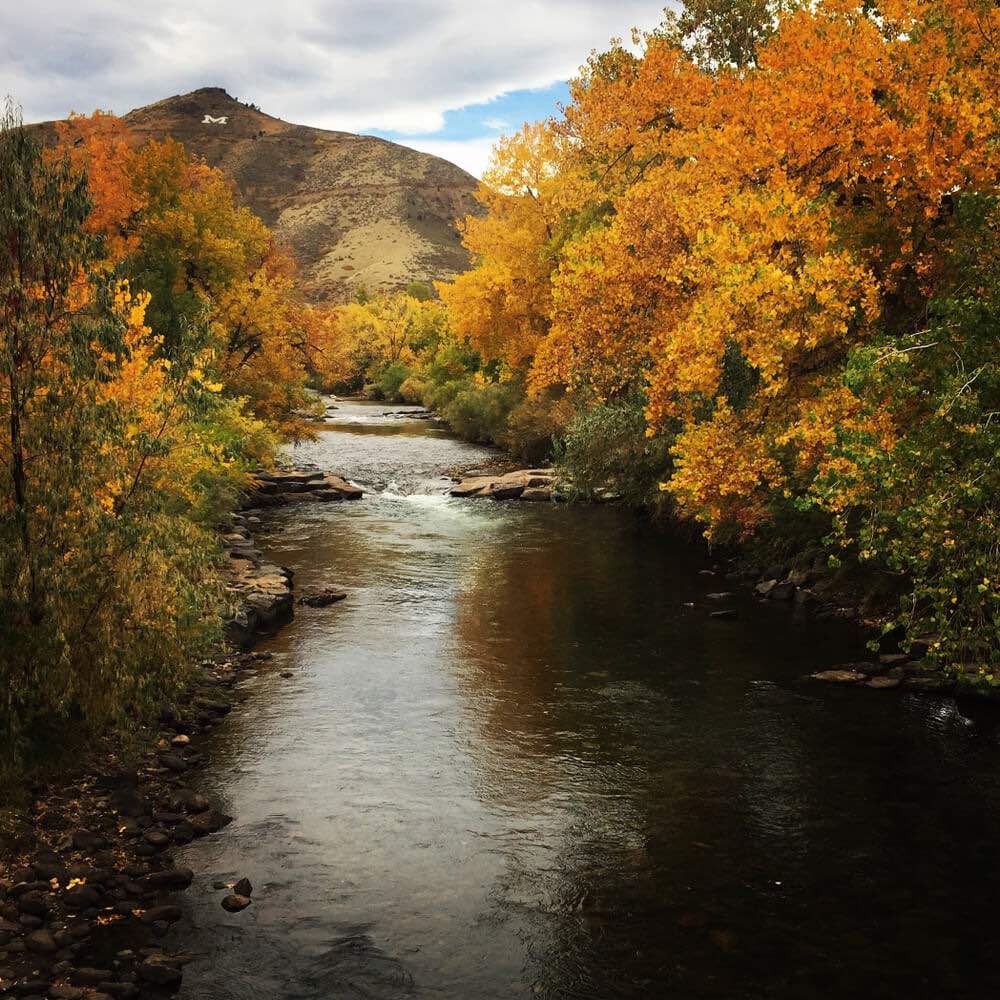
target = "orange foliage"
x: 742, y: 224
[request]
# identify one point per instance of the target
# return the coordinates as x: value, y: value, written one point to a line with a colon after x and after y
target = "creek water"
x: 521, y: 760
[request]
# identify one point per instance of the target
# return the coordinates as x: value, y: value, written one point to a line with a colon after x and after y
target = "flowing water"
x: 516, y: 763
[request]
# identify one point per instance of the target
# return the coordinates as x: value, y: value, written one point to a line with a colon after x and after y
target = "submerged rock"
x: 883, y: 683
x: 322, y: 598
x: 839, y: 676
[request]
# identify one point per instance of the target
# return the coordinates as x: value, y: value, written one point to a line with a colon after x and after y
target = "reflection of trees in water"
x: 678, y: 830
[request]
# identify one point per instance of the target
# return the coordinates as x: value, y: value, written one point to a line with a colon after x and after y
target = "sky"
x: 444, y: 76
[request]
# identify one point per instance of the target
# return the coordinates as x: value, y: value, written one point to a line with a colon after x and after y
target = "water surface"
x: 516, y: 763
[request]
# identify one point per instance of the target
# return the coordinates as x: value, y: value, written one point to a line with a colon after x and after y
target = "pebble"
x: 65, y: 993
x: 243, y: 887
x: 234, y: 903
x: 160, y: 971
x: 41, y: 942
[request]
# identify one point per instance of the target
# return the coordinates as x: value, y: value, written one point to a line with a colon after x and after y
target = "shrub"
x: 605, y: 447
x: 532, y: 427
x: 479, y: 413
x: 392, y: 377
x: 412, y: 390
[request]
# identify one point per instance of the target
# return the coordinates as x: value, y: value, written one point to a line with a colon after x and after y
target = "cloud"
x: 470, y: 154
x: 392, y: 65
x: 497, y: 124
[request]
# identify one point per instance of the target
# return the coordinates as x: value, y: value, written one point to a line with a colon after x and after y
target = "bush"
x: 412, y: 390
x: 605, y: 447
x: 924, y: 503
x: 479, y: 413
x: 392, y: 377
x: 533, y: 426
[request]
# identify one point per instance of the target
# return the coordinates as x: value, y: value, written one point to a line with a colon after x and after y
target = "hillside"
x: 355, y: 210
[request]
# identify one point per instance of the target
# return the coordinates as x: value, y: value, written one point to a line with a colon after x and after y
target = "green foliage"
x: 479, y: 413
x: 419, y: 291
x: 926, y: 505
x: 719, y: 33
x: 390, y: 380
x: 605, y: 447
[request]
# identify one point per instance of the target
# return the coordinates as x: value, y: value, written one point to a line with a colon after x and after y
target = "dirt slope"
x: 354, y: 210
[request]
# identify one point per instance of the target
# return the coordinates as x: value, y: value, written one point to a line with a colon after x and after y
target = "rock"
x: 506, y: 490
x: 184, y: 833
x: 129, y: 802
x: 23, y: 876
x: 243, y: 887
x: 929, y: 685
x: 84, y: 840
x: 285, y: 477
x: 30, y: 922
x: 764, y: 588
x: 41, y: 942
x: 722, y: 595
x: 537, y: 494
x: 86, y: 976
x: 883, y: 683
x: 724, y: 613
x: 81, y: 897
x: 322, y: 598
x: 170, y: 878
x: 865, y: 667
x: 173, y: 762
x: 167, y: 914
x: 160, y: 971
x: 66, y: 993
x: 346, y: 490
x: 839, y: 676
x: 509, y: 486
x: 33, y: 988
x: 159, y: 839
x: 893, y: 659
x: 234, y: 903
x: 213, y: 706
x: 190, y: 802
x: 119, y: 991
x: 209, y: 822
x: 33, y: 903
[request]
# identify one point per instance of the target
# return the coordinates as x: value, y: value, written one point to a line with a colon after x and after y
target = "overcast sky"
x: 447, y: 76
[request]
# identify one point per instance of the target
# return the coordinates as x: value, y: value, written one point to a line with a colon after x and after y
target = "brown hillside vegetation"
x: 354, y: 210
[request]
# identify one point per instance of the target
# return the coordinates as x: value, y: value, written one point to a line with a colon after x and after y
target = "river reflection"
x: 516, y: 763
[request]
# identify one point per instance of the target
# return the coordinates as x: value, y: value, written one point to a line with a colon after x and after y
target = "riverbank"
x: 88, y: 882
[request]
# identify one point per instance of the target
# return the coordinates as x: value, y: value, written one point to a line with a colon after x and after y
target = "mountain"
x: 354, y: 210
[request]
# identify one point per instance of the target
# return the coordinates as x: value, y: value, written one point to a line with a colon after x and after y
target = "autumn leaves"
x: 753, y: 235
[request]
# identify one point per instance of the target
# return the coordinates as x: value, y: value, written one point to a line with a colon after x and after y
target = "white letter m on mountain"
x: 209, y: 120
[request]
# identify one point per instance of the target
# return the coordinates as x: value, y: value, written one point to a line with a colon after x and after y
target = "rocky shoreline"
x: 261, y: 590
x: 810, y: 588
x: 814, y: 590
x: 88, y: 882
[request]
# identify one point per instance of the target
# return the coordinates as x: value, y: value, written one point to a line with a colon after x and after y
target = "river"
x: 521, y: 760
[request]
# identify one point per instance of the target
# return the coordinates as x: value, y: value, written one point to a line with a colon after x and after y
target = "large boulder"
x: 509, y: 486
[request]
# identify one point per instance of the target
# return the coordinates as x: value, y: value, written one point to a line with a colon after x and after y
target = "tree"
x: 107, y: 582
